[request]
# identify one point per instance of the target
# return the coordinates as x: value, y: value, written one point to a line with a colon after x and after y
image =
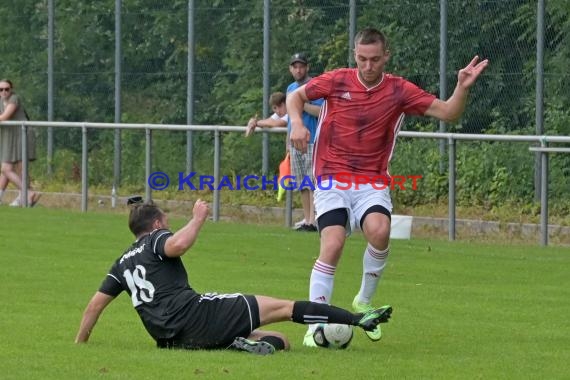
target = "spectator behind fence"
x: 278, y: 119
x: 11, y: 108
x: 302, y: 162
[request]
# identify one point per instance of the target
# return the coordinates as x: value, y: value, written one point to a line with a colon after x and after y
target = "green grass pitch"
x: 462, y: 310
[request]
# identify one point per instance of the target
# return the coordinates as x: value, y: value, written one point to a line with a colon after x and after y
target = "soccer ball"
x: 333, y: 335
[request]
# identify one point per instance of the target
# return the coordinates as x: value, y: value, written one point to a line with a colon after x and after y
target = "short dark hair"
x: 276, y: 99
x: 369, y: 36
x: 142, y: 216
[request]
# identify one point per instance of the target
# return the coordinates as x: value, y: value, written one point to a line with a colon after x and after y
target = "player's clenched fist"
x: 200, y: 210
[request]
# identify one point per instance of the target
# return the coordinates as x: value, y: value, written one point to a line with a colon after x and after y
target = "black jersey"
x: 157, y: 284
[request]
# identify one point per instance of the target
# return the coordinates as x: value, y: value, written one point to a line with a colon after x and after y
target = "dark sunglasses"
x: 134, y: 200
x: 5, y: 89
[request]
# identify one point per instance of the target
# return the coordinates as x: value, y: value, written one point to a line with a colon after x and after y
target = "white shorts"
x: 356, y: 201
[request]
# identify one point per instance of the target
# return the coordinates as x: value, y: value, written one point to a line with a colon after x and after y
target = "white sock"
x: 321, y: 285
x: 1, y: 194
x: 322, y: 282
x: 373, y: 264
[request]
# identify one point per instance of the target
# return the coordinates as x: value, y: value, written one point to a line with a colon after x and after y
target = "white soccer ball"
x: 333, y: 335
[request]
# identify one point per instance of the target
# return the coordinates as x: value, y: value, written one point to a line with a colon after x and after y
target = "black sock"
x: 311, y: 312
x: 275, y: 341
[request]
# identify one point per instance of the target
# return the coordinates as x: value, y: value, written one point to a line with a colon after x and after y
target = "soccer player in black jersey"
x: 176, y: 316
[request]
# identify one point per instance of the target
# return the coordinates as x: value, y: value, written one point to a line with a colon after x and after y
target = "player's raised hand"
x: 468, y: 75
x: 200, y: 210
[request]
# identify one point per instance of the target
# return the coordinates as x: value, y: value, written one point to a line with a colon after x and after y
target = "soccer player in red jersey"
x: 363, y: 111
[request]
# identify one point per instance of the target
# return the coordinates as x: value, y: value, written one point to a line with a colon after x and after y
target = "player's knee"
x: 376, y: 226
x: 375, y: 215
x: 381, y: 231
x: 379, y: 237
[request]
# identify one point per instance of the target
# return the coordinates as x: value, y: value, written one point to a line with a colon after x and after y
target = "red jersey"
x: 358, y: 126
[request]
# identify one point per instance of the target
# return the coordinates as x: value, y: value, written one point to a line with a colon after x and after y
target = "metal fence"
x: 198, y: 62
x: 188, y: 62
x: 451, y: 139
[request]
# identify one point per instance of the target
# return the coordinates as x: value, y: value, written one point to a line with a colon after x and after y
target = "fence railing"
x: 451, y: 138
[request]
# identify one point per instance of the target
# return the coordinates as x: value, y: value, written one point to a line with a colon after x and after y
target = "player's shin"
x: 322, y: 282
x: 373, y: 264
x: 306, y: 312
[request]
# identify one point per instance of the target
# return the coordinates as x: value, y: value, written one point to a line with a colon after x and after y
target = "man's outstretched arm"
x: 91, y: 314
x: 451, y: 109
x: 177, y: 244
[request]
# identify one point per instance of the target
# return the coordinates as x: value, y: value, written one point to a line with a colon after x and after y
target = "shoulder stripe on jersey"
x: 157, y: 239
x: 113, y: 277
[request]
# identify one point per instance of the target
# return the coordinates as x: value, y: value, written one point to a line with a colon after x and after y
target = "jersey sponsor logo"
x: 131, y: 253
x: 346, y: 96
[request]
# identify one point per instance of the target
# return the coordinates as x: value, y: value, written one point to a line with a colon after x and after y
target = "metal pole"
x: 442, y: 73
x: 84, y: 185
x: 216, y: 211
x: 266, y: 85
x: 190, y: 89
x: 539, y: 116
x: 147, y: 163
x: 118, y: 59
x: 351, y: 31
x: 452, y: 172
x: 544, y: 199
x: 25, y: 185
x: 288, y: 208
x: 50, y: 52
